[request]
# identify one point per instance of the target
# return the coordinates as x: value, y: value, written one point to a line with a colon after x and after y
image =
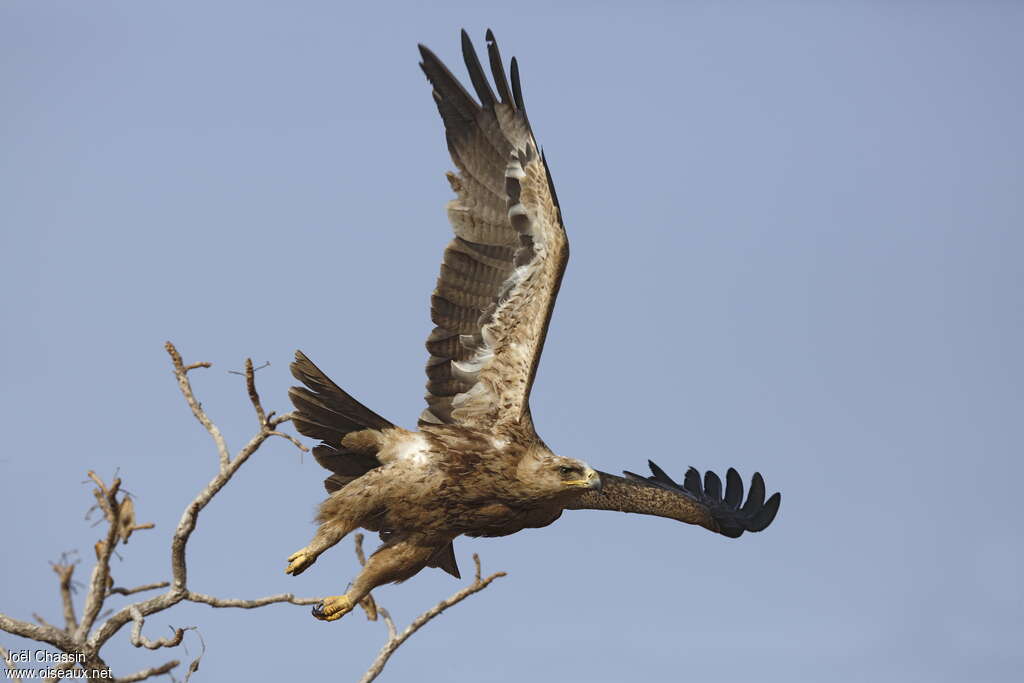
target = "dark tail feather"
x: 444, y: 559
x: 327, y: 412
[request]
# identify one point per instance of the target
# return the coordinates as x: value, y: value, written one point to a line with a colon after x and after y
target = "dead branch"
x: 139, y: 640
x: 9, y: 663
x: 368, y: 604
x: 65, y: 571
x: 63, y: 666
x: 117, y: 590
x: 86, y: 636
x: 106, y: 497
x: 250, y: 604
x: 44, y: 634
x: 148, y: 673
x: 254, y: 398
x: 395, y: 639
x: 181, y: 373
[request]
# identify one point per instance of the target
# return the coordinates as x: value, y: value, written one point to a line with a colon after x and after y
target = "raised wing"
x: 500, y: 275
x: 693, y: 502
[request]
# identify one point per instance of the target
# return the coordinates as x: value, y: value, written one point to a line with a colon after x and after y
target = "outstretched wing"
x: 693, y: 502
x: 500, y: 275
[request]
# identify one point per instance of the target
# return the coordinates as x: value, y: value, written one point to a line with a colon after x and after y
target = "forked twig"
x: 396, y: 639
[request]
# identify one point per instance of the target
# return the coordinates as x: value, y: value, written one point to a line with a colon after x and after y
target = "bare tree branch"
x: 368, y: 604
x: 250, y: 604
x: 65, y: 570
x: 117, y: 590
x: 63, y: 666
x: 45, y: 634
x: 254, y: 397
x: 193, y: 666
x: 295, y: 442
x: 107, y: 499
x: 42, y: 622
x: 86, y: 636
x: 181, y: 373
x: 11, y: 668
x: 394, y: 641
x: 389, y: 622
x: 80, y: 637
x: 148, y: 673
x: 139, y: 640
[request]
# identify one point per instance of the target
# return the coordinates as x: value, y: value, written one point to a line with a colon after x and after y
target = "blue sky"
x: 796, y: 242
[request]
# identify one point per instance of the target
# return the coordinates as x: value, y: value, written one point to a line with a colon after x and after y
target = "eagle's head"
x: 546, y: 474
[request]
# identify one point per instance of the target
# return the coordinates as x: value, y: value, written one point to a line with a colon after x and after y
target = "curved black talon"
x: 318, y: 610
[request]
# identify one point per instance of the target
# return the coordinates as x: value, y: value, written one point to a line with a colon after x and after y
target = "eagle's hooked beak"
x: 592, y: 480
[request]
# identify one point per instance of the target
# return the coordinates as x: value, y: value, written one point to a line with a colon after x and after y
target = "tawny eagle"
x: 476, y: 466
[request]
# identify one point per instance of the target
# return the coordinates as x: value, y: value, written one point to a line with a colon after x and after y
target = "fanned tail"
x: 327, y: 412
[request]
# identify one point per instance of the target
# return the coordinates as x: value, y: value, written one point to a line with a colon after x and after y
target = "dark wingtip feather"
x: 712, y: 487
x: 766, y: 515
x: 517, y: 93
x: 755, y: 499
x: 691, y: 482
x: 517, y: 89
x: 498, y: 69
x: 660, y: 473
x: 730, y: 519
x: 733, y: 488
x: 476, y: 72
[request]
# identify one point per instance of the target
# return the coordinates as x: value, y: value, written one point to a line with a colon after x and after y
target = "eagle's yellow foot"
x: 299, y: 562
x: 334, y: 607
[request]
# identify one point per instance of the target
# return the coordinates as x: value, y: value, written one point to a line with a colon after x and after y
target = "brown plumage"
x: 476, y: 466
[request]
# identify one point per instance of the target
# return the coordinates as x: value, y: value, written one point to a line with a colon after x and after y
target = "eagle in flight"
x: 476, y: 466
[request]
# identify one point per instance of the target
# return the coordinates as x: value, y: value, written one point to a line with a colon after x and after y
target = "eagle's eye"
x: 565, y: 469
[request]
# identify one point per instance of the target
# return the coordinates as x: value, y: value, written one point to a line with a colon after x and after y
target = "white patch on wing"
x: 414, y: 451
x: 518, y: 210
x: 514, y: 169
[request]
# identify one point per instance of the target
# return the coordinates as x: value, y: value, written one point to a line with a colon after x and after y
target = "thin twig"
x: 117, y: 590
x: 181, y: 373
x: 389, y: 622
x: 139, y: 640
x: 148, y: 673
x: 11, y: 668
x: 107, y: 498
x: 194, y: 664
x: 65, y: 571
x: 285, y: 435
x: 254, y: 398
x: 41, y: 621
x: 395, y: 641
x: 368, y: 603
x: 250, y: 604
x: 266, y: 364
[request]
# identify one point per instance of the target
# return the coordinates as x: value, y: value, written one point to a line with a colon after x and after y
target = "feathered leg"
x: 346, y: 510
x: 326, y: 536
x: 396, y: 561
